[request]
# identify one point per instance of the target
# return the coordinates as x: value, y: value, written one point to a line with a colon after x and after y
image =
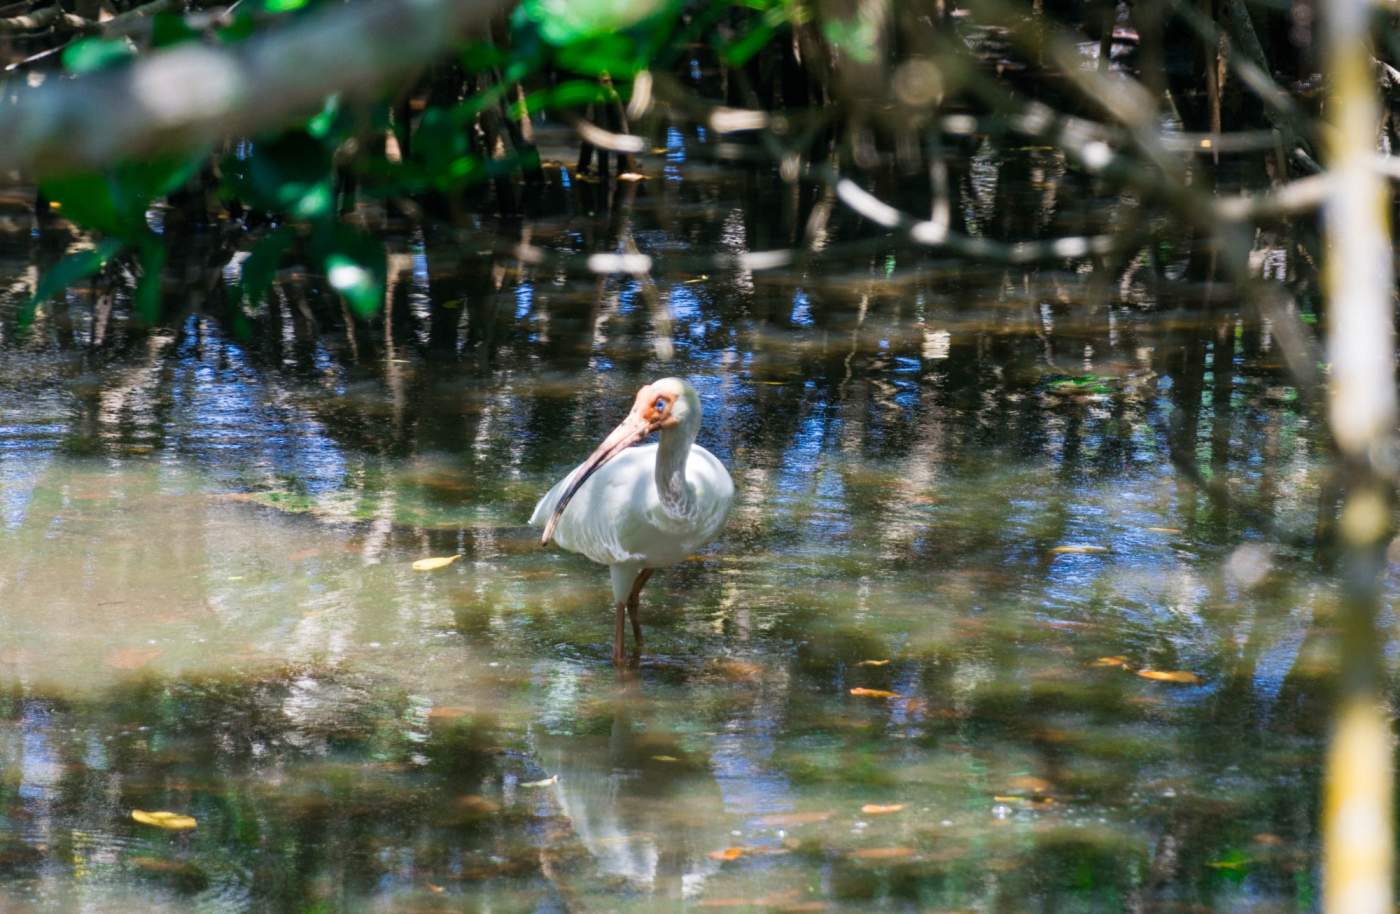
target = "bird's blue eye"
x: 660, y: 406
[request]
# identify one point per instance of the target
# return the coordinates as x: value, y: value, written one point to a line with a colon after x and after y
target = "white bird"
x: 637, y: 509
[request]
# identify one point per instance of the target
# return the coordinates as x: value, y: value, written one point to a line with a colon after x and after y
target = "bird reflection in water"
x: 643, y: 807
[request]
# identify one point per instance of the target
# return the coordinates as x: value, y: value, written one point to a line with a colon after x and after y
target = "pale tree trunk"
x: 1357, y: 819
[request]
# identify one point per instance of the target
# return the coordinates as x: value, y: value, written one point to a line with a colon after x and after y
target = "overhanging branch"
x: 191, y: 95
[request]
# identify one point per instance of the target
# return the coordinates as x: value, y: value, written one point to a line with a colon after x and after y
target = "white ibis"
x: 637, y: 509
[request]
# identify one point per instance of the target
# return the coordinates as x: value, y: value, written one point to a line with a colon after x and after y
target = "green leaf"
x: 170, y: 28
x: 260, y: 267
x: 115, y: 202
x: 242, y: 27
x: 289, y: 173
x: 88, y: 54
x: 66, y: 272
x: 855, y: 37
x: 147, y: 298
x: 573, y: 94
x: 756, y: 39
x: 283, y: 6
x: 611, y: 53
x: 320, y: 125
x: 482, y: 55
x: 88, y: 200
x: 356, y: 267
x: 563, y: 22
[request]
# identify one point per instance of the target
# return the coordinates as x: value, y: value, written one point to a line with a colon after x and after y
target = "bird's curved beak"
x: 632, y: 430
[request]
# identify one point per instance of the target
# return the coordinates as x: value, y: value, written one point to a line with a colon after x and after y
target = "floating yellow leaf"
x: 873, y: 693
x: 434, y: 564
x: 875, y: 809
x: 1120, y: 662
x: 1079, y: 549
x: 729, y: 853
x: 1170, y: 676
x: 552, y: 779
x: 1015, y: 800
x: 170, y: 821
x: 873, y: 663
x: 1168, y: 530
x: 664, y: 758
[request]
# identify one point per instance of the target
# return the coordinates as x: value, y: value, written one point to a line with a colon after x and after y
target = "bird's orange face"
x: 656, y: 404
x: 653, y: 410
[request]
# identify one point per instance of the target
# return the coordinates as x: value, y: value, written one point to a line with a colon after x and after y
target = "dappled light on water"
x: 1017, y: 607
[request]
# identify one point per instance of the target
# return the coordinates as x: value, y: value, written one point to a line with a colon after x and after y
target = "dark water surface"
x: 985, y: 499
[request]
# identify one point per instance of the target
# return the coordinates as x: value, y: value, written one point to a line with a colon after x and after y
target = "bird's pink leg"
x: 618, y: 636
x: 634, y: 606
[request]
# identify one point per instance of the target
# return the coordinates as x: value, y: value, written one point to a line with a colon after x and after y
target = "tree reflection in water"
x: 961, y: 489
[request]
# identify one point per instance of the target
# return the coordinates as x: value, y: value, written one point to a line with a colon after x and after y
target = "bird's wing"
x: 545, y: 506
x: 714, y: 493
x: 607, y: 518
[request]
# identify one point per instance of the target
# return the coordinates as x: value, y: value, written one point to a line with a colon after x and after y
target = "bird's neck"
x: 671, y: 453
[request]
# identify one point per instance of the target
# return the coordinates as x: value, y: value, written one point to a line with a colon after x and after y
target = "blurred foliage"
x: 290, y: 187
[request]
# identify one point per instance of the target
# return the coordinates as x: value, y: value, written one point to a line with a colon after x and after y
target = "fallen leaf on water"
x: 552, y: 779
x: 1170, y: 676
x: 882, y: 853
x: 1079, y: 549
x: 873, y: 693
x: 873, y: 663
x: 738, y: 669
x: 434, y: 564
x: 163, y: 867
x: 446, y: 712
x: 664, y: 758
x: 1169, y: 530
x: 875, y: 809
x: 788, y: 819
x: 1016, y: 800
x: 170, y: 821
x: 1031, y: 783
x: 729, y: 853
x: 1120, y: 662
x: 131, y: 658
x: 476, y: 804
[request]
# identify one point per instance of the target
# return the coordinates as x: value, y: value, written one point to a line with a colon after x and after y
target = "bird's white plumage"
x: 617, y: 517
x: 643, y: 507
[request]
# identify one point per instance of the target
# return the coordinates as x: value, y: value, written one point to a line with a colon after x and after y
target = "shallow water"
x: 955, y: 496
